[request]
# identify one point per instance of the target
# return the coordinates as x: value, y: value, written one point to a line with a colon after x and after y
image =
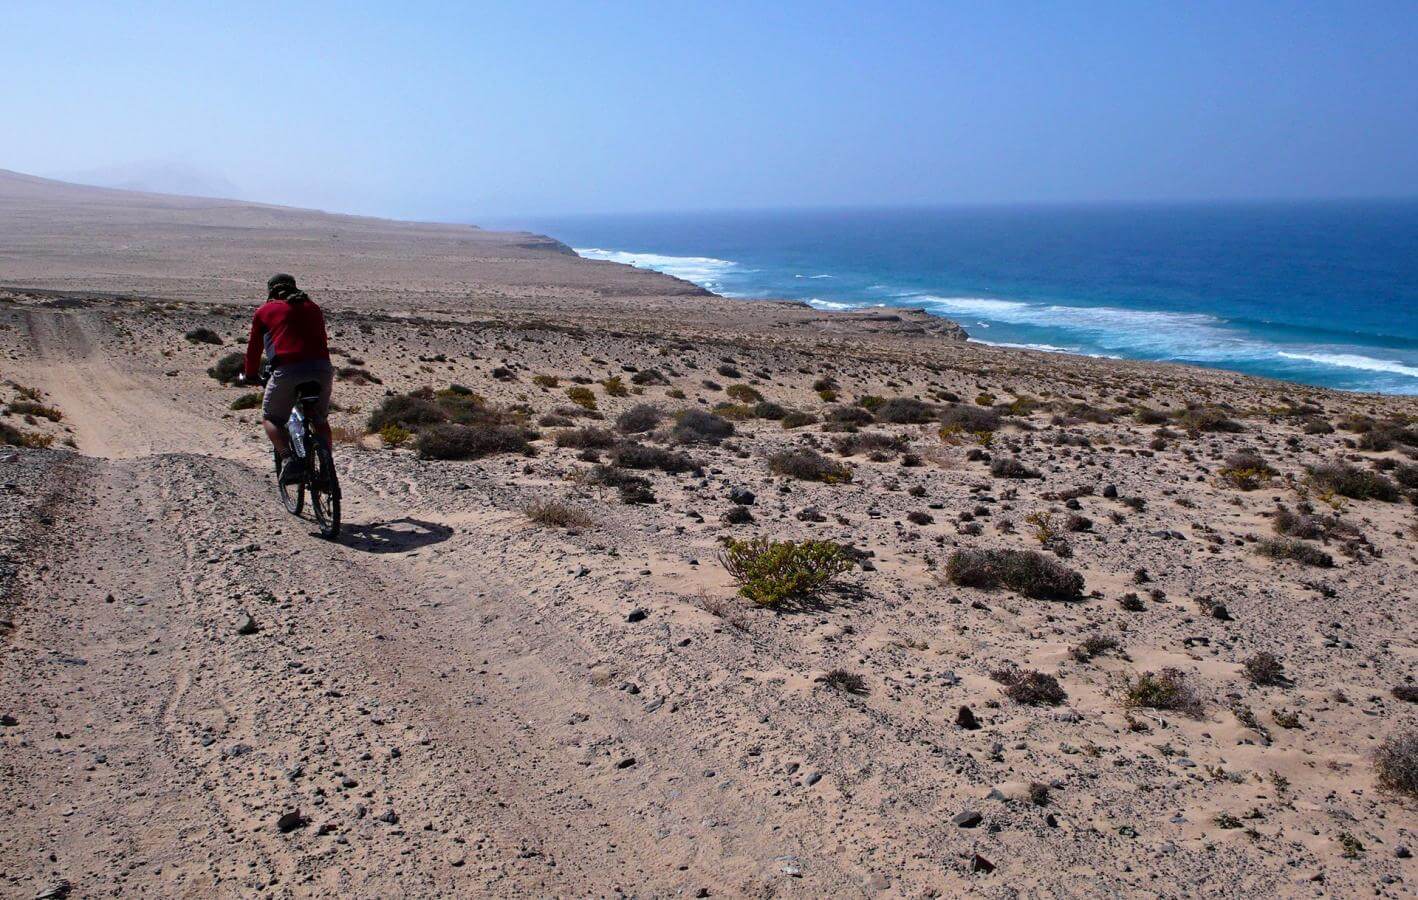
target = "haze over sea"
x: 1317, y: 293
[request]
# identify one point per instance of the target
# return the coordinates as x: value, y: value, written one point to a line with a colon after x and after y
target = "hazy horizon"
x: 487, y: 114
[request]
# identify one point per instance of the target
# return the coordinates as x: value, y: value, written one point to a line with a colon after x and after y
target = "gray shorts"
x: 280, y: 389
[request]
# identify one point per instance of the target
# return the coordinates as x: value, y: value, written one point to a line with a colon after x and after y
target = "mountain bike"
x: 320, y: 481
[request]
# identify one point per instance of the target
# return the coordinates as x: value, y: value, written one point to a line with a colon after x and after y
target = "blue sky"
x: 462, y: 110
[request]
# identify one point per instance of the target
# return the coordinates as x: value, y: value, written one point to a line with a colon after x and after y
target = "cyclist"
x: 290, y: 329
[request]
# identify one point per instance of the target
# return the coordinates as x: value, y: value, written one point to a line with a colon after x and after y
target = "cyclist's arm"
x: 254, y: 347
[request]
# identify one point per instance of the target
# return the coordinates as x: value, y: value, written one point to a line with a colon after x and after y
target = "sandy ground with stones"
x: 459, y: 701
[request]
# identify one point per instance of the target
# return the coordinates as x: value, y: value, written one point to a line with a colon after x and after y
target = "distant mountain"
x: 158, y: 178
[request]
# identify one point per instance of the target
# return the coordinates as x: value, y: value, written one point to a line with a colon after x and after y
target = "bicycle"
x: 320, y: 480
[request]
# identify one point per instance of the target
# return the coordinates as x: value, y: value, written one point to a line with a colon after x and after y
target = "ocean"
x: 1317, y: 293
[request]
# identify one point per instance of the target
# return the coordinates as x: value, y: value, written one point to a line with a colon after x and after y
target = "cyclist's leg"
x: 321, y: 410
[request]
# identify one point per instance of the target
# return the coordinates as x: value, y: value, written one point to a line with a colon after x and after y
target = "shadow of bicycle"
x: 397, y: 536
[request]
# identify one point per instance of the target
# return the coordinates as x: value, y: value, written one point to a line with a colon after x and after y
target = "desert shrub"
x: 1246, y: 470
x: 1208, y: 418
x: 919, y: 517
x: 767, y: 409
x: 846, y: 682
x: 546, y: 381
x: 406, y: 411
x: 1408, y: 693
x: 581, y: 396
x: 825, y: 383
x: 1299, y: 551
x: 1093, y: 645
x: 870, y: 442
x: 1350, y: 481
x: 797, y: 419
x: 1264, y: 668
x: 11, y: 436
x: 1010, y: 467
x: 963, y: 417
x: 1147, y: 416
x: 557, y: 514
x: 631, y: 487
x: 648, y: 377
x: 1169, y: 689
x: 904, y: 411
x: 203, y: 336
x: 808, y: 465
x: 1396, y: 762
x: 1406, y: 474
x: 581, y: 438
x: 1024, y: 571
x: 395, y: 435
x: 344, y: 435
x: 695, y: 426
x: 643, y: 456
x: 675, y: 394
x: 735, y: 412
x: 743, y: 393
x: 357, y: 375
x: 614, y: 386
x: 729, y: 371
x: 37, y: 409
x: 247, y: 401
x: 639, y: 419
x: 228, y: 368
x: 450, y: 441
x: 1305, y: 525
x: 555, y: 420
x: 1318, y: 426
x: 851, y: 416
x: 1030, y: 687
x: 771, y: 573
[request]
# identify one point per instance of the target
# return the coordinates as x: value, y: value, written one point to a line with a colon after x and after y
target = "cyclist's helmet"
x: 280, y: 285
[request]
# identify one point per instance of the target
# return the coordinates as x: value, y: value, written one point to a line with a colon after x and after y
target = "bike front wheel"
x: 324, y: 489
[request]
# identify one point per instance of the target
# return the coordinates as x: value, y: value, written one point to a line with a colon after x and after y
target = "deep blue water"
x: 1320, y: 293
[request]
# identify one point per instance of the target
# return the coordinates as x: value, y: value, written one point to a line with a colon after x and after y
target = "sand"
x: 459, y: 701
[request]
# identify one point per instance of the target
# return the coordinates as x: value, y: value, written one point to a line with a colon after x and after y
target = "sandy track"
x: 404, y: 702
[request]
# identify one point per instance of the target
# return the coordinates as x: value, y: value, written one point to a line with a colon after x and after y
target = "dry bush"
x: 797, y: 419
x: 450, y: 441
x: 581, y: 396
x: 615, y: 387
x: 1299, y: 551
x: 846, y: 682
x: 557, y: 514
x: 406, y: 411
x: 639, y: 419
x: 356, y: 375
x: 904, y: 411
x: 1169, y: 689
x: 695, y: 426
x: 39, y: 410
x: 13, y: 437
x: 1350, y: 481
x: 247, y: 401
x: 962, y: 417
x: 870, y: 442
x: 771, y: 573
x: 642, y: 456
x: 344, y: 435
x: 808, y: 465
x: 1396, y: 763
x: 582, y: 438
x: 1024, y: 571
x: 1030, y: 687
x: 1010, y: 467
x: 227, y: 368
x: 1093, y: 645
x: 632, y: 488
x: 848, y: 416
x: 743, y: 393
x: 203, y: 336
x: 1264, y: 668
x: 1208, y: 418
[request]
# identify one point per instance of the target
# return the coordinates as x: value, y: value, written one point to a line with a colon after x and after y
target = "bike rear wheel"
x: 292, y: 495
x: 324, y: 489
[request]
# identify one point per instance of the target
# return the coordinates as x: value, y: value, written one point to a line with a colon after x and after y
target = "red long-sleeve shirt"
x: 288, y: 333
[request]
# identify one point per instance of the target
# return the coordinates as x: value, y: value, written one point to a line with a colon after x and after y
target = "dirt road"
x: 434, y: 731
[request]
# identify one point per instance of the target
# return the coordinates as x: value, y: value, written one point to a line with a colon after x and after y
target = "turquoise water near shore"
x: 1317, y: 293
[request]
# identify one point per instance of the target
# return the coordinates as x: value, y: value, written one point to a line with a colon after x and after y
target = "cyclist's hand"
x: 241, y: 378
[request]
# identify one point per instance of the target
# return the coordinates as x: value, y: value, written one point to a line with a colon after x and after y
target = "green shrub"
x: 615, y: 387
x: 582, y: 397
x: 248, y: 401
x: 450, y: 441
x: 1026, y: 572
x: 546, y: 381
x: 1208, y: 418
x: 771, y: 573
x: 796, y: 419
x: 395, y: 435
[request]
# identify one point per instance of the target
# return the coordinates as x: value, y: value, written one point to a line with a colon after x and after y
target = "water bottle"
x: 295, y: 426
